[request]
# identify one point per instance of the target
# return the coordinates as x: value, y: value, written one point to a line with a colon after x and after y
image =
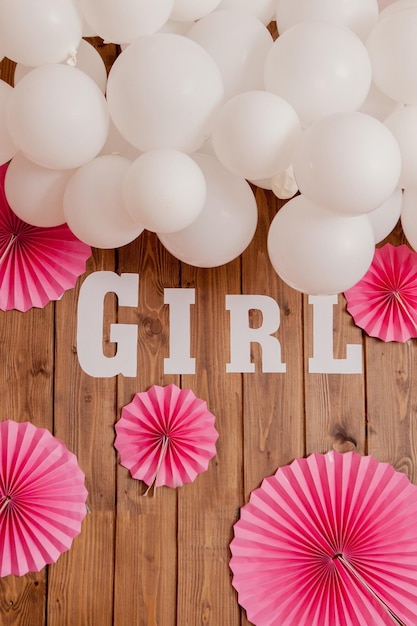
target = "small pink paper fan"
x: 329, y: 540
x: 166, y: 436
x: 42, y: 498
x: 384, y: 302
x: 37, y: 265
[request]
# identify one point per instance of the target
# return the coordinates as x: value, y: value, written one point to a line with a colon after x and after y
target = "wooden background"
x: 163, y: 560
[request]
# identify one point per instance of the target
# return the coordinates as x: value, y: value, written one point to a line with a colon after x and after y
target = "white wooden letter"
x: 179, y: 360
x: 90, y: 325
x: 323, y: 361
x: 242, y: 335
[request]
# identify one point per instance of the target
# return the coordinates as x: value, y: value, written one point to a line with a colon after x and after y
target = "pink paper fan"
x: 384, y: 302
x: 166, y: 436
x: 37, y: 265
x: 330, y: 540
x: 42, y: 498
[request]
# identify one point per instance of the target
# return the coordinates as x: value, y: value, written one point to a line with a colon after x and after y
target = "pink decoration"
x: 166, y: 436
x: 37, y: 265
x: 42, y: 498
x: 328, y: 540
x: 384, y: 301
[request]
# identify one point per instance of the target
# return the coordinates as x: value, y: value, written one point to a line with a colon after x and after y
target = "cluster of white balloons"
x: 202, y: 104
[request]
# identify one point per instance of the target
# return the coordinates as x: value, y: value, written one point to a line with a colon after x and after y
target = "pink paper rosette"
x: 42, y: 498
x: 166, y: 436
x: 37, y: 265
x: 328, y: 540
x: 384, y: 302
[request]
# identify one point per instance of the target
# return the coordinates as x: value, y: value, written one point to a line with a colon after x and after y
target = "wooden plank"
x: 26, y: 385
x: 335, y: 403
x: 391, y: 370
x: 209, y: 506
x: 80, y: 586
x: 273, y: 402
x: 146, y: 550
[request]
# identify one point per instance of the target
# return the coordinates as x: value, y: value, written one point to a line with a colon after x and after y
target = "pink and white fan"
x: 330, y: 540
x: 42, y: 498
x: 37, y: 265
x: 166, y: 436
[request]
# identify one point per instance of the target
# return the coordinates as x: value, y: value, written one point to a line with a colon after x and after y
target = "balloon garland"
x: 202, y: 104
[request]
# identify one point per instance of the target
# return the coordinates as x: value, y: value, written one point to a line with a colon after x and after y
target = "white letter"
x: 241, y: 335
x: 90, y: 325
x: 179, y: 361
x: 323, y: 361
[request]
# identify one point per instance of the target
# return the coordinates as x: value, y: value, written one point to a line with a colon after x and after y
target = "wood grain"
x: 146, y: 549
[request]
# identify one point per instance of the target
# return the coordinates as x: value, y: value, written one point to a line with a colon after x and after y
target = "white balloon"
x: 94, y: 207
x: 7, y: 146
x: 392, y: 47
x: 320, y: 68
x: 35, y: 33
x: 317, y: 252
x: 378, y: 104
x: 190, y: 10
x: 264, y: 10
x: 225, y: 226
x: 35, y: 193
x: 255, y: 134
x: 88, y: 59
x: 239, y: 43
x: 58, y: 117
x: 390, y: 6
x: 116, y: 144
x: 386, y: 216
x: 125, y: 20
x: 283, y: 184
x: 176, y: 28
x: 409, y: 216
x: 164, y: 190
x: 347, y: 162
x: 163, y: 91
x: 357, y: 15
x: 403, y: 123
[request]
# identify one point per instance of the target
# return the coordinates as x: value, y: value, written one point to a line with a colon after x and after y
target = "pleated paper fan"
x: 37, y: 265
x: 42, y: 498
x: 330, y: 540
x: 166, y: 436
x: 384, y: 302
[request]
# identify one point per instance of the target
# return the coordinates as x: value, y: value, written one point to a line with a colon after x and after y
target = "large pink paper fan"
x: 42, y: 498
x: 330, y: 540
x: 37, y: 265
x: 166, y: 436
x: 384, y: 302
